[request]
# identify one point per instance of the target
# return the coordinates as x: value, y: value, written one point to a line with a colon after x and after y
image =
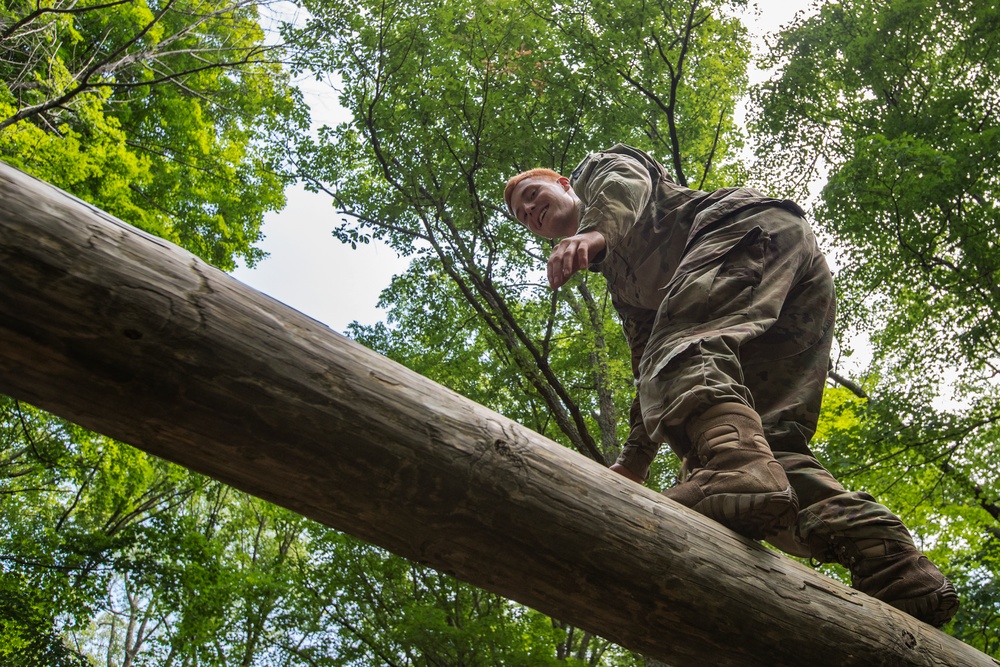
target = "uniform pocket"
x: 716, y: 279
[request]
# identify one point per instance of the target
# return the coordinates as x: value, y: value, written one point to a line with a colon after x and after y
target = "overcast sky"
x: 314, y: 273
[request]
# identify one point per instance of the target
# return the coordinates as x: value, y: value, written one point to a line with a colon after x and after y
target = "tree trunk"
x: 130, y: 336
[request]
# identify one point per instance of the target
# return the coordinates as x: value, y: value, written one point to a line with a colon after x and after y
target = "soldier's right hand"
x: 572, y: 254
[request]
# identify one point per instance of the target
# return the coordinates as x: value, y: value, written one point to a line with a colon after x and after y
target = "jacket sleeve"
x: 614, y: 190
x: 638, y: 450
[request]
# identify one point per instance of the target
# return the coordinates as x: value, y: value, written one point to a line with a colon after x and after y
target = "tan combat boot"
x: 739, y: 484
x: 897, y: 574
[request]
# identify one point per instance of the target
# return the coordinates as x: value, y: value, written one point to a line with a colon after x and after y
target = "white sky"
x: 309, y: 270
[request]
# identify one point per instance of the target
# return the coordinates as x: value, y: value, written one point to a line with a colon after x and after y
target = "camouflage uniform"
x: 725, y: 297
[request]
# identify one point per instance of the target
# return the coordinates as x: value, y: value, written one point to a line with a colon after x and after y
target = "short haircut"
x: 545, y: 174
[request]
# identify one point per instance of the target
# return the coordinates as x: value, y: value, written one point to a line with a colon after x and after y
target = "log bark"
x: 133, y: 337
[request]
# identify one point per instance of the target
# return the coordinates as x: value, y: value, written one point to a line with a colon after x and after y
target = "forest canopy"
x: 182, y: 118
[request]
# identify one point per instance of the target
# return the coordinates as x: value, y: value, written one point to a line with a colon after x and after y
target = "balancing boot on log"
x: 737, y: 481
x: 836, y: 525
x: 896, y: 573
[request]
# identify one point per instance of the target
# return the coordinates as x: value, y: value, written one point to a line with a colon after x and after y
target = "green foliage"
x: 673, y: 71
x: 172, y: 116
x: 169, y: 117
x: 68, y: 500
x: 110, y: 551
x: 897, y: 97
x: 387, y: 611
x: 27, y: 635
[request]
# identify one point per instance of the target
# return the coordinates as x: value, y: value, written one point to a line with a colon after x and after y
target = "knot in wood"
x: 503, y: 448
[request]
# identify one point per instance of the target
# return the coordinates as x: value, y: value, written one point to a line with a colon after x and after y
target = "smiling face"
x: 546, y: 207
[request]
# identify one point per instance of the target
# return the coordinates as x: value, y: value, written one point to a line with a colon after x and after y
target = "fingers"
x: 554, y: 267
x: 569, y: 256
x: 573, y: 254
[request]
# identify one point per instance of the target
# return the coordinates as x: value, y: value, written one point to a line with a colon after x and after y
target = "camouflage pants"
x: 748, y: 317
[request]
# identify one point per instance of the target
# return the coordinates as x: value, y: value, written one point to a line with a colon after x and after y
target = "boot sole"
x: 935, y: 608
x: 753, y: 515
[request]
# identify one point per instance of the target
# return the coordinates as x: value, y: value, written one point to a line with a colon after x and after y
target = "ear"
x: 564, y: 182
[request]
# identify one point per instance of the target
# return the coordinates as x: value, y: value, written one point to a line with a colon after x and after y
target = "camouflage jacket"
x: 649, y: 223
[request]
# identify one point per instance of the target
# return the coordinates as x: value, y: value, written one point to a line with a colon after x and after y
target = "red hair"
x: 542, y: 173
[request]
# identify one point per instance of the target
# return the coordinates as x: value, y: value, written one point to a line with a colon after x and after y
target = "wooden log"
x: 133, y: 337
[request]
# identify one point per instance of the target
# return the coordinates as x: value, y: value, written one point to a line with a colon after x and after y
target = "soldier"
x: 728, y: 307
